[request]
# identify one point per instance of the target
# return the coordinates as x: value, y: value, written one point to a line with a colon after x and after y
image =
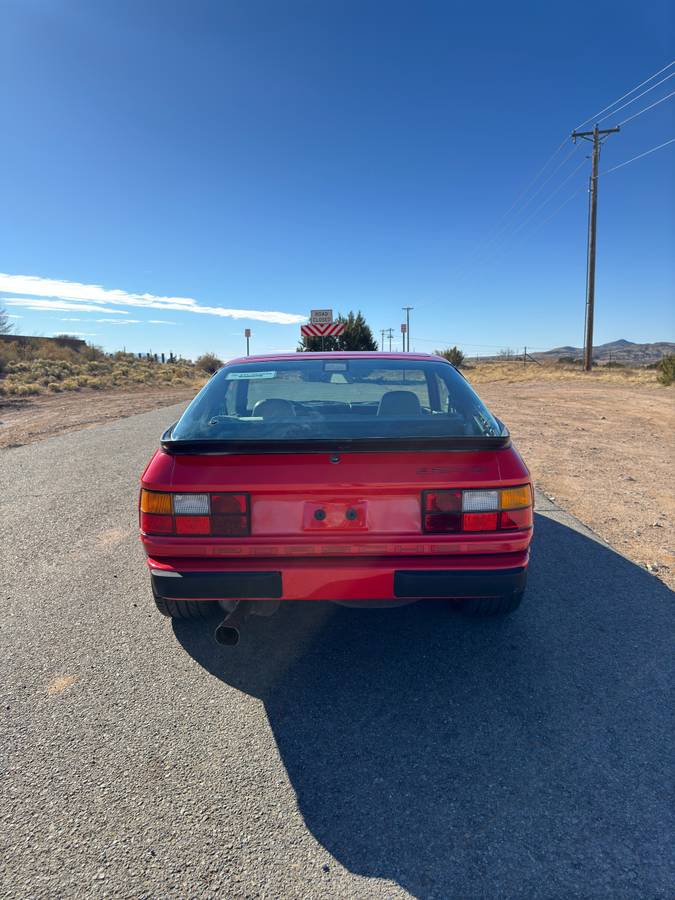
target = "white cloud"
x: 119, y: 321
x: 159, y: 322
x: 13, y: 316
x: 64, y: 305
x: 75, y: 333
x: 72, y: 291
x: 70, y: 320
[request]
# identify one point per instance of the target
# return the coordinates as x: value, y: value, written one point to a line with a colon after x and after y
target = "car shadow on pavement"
x: 517, y: 757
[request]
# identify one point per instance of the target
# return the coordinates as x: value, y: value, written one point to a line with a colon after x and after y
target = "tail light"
x: 195, y: 515
x: 477, y: 510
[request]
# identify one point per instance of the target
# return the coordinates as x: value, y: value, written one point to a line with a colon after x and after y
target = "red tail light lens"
x: 479, y: 522
x: 193, y: 525
x: 151, y: 523
x: 516, y: 518
x: 194, y: 515
x: 471, y: 510
x: 442, y: 511
x: 229, y: 515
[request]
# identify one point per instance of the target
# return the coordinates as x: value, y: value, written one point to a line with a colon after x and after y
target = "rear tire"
x: 186, y: 609
x: 491, y: 606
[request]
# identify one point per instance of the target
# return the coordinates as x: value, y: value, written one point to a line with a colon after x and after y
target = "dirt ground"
x: 38, y: 418
x: 603, y: 451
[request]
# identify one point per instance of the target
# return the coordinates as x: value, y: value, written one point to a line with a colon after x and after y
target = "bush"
x: 568, y: 361
x: 453, y: 355
x: 666, y: 368
x: 209, y: 362
x: 25, y: 390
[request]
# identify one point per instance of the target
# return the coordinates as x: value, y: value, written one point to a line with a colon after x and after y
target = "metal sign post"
x: 247, y: 335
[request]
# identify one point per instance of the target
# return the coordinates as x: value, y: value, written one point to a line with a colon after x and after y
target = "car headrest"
x: 399, y: 403
x: 274, y: 408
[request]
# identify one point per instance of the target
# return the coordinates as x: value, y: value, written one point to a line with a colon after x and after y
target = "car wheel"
x: 491, y: 606
x: 186, y: 609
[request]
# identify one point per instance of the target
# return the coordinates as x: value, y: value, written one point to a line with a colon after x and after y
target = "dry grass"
x: 515, y: 371
x: 27, y: 372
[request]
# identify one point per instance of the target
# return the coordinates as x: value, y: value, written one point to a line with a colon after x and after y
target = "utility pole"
x: 382, y: 331
x: 406, y: 336
x: 390, y: 335
x: 598, y: 137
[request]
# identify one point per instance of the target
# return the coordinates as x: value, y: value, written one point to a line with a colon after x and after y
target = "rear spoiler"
x: 460, y: 443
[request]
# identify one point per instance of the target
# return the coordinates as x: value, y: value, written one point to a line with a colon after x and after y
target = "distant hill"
x: 621, y: 351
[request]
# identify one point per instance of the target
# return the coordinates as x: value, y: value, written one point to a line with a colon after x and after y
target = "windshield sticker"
x: 237, y: 376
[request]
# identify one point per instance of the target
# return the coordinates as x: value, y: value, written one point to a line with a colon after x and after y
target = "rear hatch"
x: 311, y: 500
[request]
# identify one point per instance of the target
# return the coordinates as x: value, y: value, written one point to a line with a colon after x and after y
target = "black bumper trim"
x: 457, y: 583
x: 218, y: 585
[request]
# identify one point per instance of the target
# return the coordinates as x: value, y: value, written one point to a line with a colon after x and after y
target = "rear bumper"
x: 340, y: 579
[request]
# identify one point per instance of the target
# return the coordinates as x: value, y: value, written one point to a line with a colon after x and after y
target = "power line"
x: 549, y: 198
x: 651, y: 106
x: 632, y: 91
x: 639, y: 156
x: 534, y: 180
x: 544, y: 183
x: 563, y: 204
x: 633, y: 99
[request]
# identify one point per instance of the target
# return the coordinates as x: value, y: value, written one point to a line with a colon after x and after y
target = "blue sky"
x: 193, y: 169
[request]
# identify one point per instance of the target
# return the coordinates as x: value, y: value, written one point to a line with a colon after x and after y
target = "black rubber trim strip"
x: 218, y: 585
x: 457, y: 583
x: 335, y: 445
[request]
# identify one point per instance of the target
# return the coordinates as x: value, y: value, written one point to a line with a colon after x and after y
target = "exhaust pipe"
x: 227, y: 633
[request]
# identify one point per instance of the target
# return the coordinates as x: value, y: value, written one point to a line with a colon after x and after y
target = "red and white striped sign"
x: 332, y: 330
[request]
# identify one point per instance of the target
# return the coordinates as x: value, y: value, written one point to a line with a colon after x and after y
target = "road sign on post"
x: 247, y: 335
x: 404, y: 328
x: 333, y: 329
x: 321, y: 316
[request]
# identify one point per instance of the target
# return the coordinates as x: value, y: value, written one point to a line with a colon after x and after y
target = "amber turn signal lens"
x: 153, y: 502
x: 517, y: 497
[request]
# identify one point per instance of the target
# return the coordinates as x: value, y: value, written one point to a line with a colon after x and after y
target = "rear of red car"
x: 353, y: 478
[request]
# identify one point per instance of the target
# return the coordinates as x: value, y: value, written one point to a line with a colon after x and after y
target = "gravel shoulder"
x: 605, y: 453
x: 38, y: 418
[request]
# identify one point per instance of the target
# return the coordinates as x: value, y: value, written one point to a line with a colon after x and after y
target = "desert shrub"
x: 70, y: 384
x: 666, y: 369
x: 25, y: 389
x: 54, y: 386
x: 567, y: 360
x: 209, y: 362
x: 453, y: 355
x: 614, y: 365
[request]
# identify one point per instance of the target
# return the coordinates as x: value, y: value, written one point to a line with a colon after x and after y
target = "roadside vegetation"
x: 45, y: 366
x: 513, y: 370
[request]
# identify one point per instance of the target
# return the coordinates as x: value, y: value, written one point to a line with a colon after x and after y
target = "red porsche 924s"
x: 360, y: 478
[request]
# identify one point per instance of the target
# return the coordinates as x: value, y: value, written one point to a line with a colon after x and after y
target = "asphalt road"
x: 334, y: 752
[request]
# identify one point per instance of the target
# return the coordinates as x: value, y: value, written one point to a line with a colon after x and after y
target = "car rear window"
x: 316, y: 398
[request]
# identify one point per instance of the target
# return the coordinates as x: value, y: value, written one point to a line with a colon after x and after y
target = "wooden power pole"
x: 597, y: 136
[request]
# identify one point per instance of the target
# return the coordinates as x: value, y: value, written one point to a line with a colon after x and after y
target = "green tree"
x: 666, y: 367
x: 356, y: 336
x: 5, y: 325
x: 453, y: 355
